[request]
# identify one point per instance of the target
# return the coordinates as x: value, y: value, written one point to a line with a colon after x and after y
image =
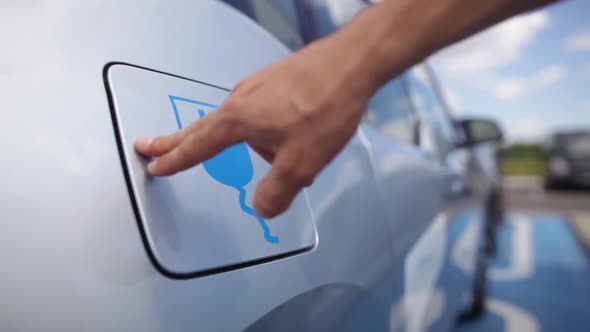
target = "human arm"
x: 300, y: 111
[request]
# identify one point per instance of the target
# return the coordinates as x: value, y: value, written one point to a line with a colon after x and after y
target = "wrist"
x: 374, y: 48
x: 393, y: 35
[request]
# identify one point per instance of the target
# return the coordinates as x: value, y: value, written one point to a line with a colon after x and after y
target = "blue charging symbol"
x: 232, y: 167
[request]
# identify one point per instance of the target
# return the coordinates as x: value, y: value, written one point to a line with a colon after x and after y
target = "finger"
x: 157, y: 146
x: 216, y: 132
x: 276, y: 191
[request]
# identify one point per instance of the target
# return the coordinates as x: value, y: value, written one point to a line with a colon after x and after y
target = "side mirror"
x: 475, y: 131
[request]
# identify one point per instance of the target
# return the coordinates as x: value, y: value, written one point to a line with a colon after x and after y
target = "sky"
x: 531, y: 73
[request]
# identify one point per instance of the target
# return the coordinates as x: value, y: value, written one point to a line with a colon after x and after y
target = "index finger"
x: 206, y: 138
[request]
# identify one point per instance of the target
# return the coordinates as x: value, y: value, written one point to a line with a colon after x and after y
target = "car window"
x: 279, y: 17
x: 430, y: 111
x: 389, y: 111
x: 329, y: 15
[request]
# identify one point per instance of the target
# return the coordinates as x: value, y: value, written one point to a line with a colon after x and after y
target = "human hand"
x: 297, y: 113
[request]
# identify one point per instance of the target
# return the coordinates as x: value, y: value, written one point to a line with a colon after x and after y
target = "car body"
x: 91, y: 243
x: 567, y: 159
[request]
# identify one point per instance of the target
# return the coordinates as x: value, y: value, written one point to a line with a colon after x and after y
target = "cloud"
x: 550, y: 75
x: 510, y: 88
x: 527, y: 129
x: 578, y: 42
x: 513, y: 87
x: 497, y: 46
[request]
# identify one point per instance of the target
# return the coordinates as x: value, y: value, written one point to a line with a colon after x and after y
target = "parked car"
x: 90, y: 242
x: 567, y: 159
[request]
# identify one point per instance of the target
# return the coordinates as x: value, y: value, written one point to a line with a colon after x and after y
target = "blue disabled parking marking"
x: 559, y: 247
x: 555, y: 296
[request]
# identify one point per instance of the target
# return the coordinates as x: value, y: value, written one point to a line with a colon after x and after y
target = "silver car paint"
x: 73, y: 257
x: 200, y: 219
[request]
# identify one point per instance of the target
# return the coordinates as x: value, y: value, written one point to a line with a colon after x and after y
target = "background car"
x: 567, y: 159
x: 90, y: 242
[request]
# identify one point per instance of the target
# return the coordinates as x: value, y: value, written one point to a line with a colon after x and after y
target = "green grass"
x: 523, y: 166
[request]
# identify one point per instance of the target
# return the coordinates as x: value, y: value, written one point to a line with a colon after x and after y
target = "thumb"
x: 284, y: 181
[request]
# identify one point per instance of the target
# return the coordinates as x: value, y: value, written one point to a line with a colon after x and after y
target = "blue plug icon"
x: 232, y: 167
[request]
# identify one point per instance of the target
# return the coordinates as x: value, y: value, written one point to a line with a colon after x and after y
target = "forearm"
x: 395, y: 34
x: 322, y: 91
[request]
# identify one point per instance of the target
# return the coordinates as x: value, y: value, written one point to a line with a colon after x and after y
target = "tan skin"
x: 300, y: 111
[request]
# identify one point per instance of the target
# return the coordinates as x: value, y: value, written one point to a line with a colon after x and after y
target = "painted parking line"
x: 521, y: 255
x: 581, y: 222
x: 515, y: 319
x: 539, y: 279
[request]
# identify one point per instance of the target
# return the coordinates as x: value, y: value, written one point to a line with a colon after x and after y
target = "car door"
x: 413, y: 188
x: 422, y: 180
x: 463, y: 202
x: 354, y: 239
x: 425, y: 182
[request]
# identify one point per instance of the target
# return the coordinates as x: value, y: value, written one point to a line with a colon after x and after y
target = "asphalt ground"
x: 529, y: 195
x: 540, y: 276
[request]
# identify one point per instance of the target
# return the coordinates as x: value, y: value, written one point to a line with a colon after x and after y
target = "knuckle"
x: 232, y: 105
x: 229, y: 127
x: 308, y: 108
